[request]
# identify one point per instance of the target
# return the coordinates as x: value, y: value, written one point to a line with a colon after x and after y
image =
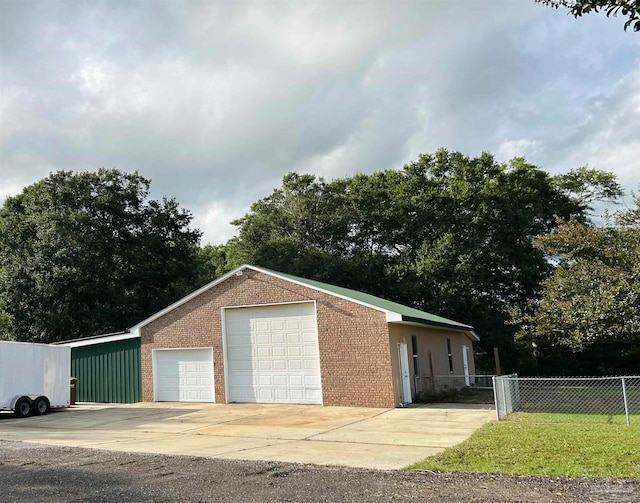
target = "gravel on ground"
x: 35, y: 472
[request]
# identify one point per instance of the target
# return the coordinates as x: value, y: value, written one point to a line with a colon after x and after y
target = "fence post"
x: 504, y: 396
x: 626, y: 405
x: 495, y: 398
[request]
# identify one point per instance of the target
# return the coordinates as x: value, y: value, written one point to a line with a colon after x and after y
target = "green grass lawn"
x: 552, y: 417
x: 529, y: 444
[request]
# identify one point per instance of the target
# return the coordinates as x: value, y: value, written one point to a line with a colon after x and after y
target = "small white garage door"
x: 272, y: 354
x: 184, y: 375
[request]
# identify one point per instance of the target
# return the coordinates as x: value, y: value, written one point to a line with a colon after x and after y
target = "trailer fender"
x: 12, y: 403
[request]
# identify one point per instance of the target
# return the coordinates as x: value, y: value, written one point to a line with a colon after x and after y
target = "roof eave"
x: 468, y: 330
x: 472, y: 335
x: 89, y: 337
x: 437, y: 323
x: 93, y: 341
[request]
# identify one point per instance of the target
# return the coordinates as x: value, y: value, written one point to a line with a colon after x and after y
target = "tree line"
x: 507, y: 248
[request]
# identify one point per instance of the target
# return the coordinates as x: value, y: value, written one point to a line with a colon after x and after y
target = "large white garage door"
x: 272, y: 354
x: 184, y: 375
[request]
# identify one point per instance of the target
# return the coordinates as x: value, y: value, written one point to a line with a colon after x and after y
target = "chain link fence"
x: 458, y: 381
x: 569, y: 399
x: 455, y: 388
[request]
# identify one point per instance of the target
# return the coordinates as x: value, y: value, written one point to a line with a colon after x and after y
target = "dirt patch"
x: 29, y: 472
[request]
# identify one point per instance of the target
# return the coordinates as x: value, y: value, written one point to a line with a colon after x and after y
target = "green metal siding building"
x: 107, y: 371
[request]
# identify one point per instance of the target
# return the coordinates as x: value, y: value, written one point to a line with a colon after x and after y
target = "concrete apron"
x: 348, y: 436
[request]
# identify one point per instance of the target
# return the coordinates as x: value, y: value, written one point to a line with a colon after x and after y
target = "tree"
x: 216, y: 260
x: 448, y: 233
x: 85, y: 253
x: 303, y: 228
x: 587, y: 185
x: 589, y: 310
x: 5, y: 323
x: 629, y: 8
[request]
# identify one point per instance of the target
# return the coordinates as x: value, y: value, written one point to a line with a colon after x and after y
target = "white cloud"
x: 603, y: 133
x: 214, y: 220
x: 215, y: 102
x: 611, y: 132
x: 509, y: 149
x: 93, y: 78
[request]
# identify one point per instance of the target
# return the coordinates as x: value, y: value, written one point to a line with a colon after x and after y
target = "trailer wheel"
x: 23, y: 407
x: 41, y: 406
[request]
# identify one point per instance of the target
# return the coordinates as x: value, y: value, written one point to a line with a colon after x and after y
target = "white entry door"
x: 272, y: 354
x: 183, y: 375
x: 403, y: 355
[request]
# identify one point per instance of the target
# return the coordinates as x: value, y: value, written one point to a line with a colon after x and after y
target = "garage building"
x: 107, y: 367
x: 256, y: 335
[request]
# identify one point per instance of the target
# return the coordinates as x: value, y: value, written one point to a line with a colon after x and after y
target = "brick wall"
x: 355, y: 359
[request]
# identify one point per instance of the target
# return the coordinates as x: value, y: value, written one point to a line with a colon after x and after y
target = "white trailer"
x: 34, y: 377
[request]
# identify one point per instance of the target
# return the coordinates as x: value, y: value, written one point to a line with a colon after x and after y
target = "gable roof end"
x: 394, y: 312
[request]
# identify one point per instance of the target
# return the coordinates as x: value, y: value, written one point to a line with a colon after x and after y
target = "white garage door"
x: 184, y: 375
x: 272, y: 354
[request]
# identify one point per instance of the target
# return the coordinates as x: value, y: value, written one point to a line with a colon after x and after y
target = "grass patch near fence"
x: 529, y: 444
x: 552, y: 417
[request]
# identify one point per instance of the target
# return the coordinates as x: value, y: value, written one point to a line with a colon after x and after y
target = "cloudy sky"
x: 216, y: 101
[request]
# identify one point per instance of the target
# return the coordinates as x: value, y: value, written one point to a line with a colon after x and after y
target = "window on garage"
x: 450, y: 355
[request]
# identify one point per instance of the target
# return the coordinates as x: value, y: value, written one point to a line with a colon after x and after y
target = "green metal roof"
x: 409, y: 314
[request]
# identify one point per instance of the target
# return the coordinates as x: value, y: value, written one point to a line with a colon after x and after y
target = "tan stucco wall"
x: 355, y: 362
x: 434, y: 340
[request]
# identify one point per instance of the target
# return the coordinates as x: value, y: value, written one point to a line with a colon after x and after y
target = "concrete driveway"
x: 368, y: 438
